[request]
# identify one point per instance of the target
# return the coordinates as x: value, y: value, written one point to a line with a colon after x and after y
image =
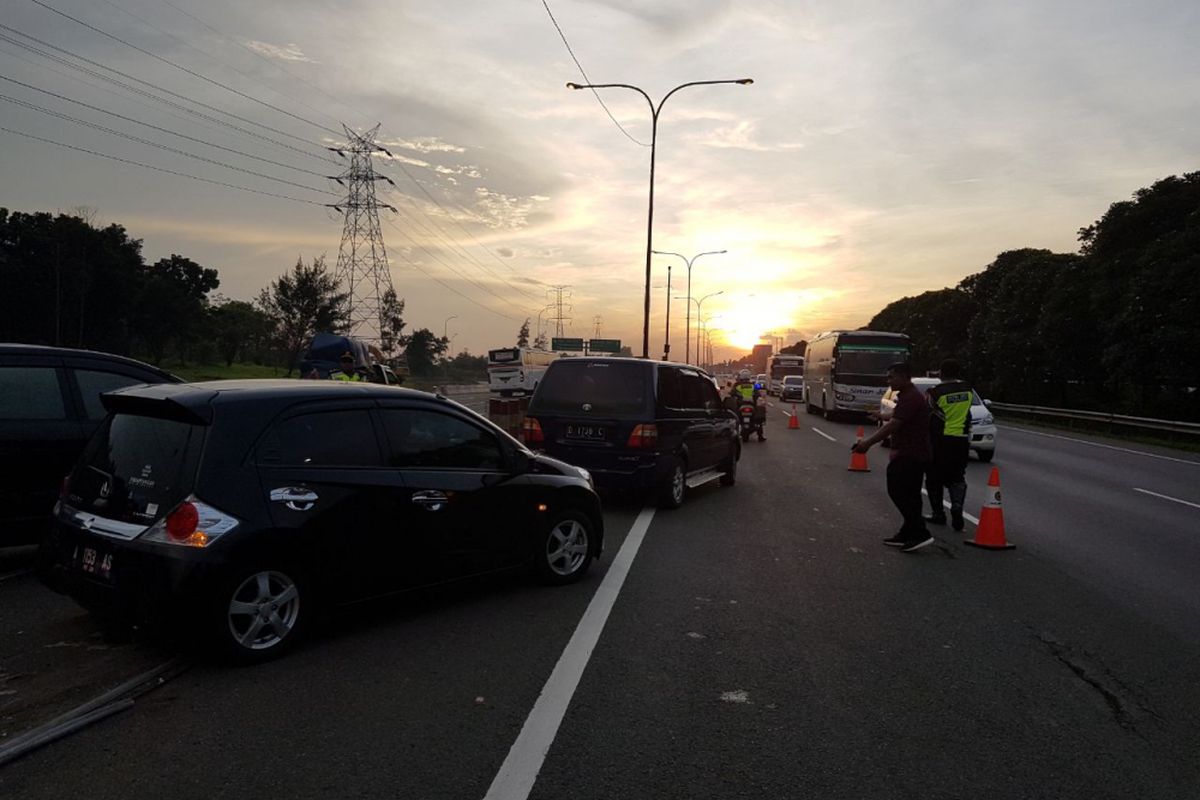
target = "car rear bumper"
x: 614, y: 469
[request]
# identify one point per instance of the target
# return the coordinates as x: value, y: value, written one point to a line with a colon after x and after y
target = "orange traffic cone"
x: 990, y: 531
x: 793, y: 420
x: 858, y: 461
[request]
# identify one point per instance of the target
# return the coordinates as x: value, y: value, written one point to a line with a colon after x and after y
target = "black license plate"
x: 94, y: 562
x: 585, y: 432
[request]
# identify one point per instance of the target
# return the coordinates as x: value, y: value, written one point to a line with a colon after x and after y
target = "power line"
x: 160, y: 169
x: 140, y: 140
x: 152, y: 96
x: 157, y: 128
x: 182, y: 68
x: 586, y: 79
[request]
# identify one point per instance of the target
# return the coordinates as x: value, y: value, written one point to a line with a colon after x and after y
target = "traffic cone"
x: 858, y: 461
x: 989, y: 533
x: 793, y: 420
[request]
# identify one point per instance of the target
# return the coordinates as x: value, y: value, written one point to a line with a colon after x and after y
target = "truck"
x: 323, y: 357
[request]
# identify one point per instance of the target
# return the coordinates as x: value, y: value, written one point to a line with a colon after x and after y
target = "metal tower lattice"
x: 362, y: 265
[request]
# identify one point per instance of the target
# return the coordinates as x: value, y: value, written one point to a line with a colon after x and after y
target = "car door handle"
x: 430, y: 500
x: 297, y: 498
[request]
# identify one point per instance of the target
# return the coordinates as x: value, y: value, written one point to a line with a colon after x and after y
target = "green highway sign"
x: 566, y: 344
x: 604, y: 346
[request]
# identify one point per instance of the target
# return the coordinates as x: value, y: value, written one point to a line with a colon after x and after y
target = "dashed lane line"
x: 1105, y: 446
x: 520, y: 769
x: 1167, y: 497
x: 823, y: 433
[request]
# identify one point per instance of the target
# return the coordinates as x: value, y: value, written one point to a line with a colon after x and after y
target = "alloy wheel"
x: 263, y: 610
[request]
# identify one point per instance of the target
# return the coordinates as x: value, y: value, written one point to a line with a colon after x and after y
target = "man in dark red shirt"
x: 911, y: 454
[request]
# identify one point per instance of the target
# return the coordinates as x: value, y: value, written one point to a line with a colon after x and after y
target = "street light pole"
x: 667, y: 335
x: 687, y: 331
x: 447, y: 322
x: 654, y: 111
x: 539, y: 319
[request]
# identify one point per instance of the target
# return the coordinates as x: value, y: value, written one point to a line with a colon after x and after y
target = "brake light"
x: 643, y: 436
x: 65, y: 488
x: 533, y: 431
x: 182, y: 523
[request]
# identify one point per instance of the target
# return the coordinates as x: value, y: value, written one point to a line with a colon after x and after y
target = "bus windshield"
x: 867, y: 362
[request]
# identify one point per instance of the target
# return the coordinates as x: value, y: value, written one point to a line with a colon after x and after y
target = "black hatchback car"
x: 636, y: 424
x: 244, y: 505
x: 49, y: 407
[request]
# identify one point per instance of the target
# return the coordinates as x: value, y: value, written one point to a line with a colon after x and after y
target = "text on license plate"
x: 94, y: 562
x: 585, y: 432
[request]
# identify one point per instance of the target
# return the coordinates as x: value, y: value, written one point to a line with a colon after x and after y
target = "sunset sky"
x: 884, y: 148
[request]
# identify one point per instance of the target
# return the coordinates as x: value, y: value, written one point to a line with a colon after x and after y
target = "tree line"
x: 1112, y: 327
x: 69, y: 283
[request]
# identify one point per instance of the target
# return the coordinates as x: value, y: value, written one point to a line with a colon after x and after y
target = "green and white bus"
x: 846, y: 371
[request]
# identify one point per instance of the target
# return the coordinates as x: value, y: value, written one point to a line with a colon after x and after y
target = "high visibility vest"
x: 745, y: 391
x: 341, y: 376
x: 951, y: 408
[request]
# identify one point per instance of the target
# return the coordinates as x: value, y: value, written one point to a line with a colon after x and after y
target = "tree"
x: 523, y: 334
x: 937, y: 322
x: 301, y: 303
x: 797, y: 349
x: 391, y: 310
x: 172, y: 306
x: 238, y: 327
x: 423, y: 349
x: 541, y: 342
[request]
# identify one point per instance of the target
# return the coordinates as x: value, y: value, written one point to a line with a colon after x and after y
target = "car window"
x: 671, y: 391
x: 432, y: 440
x: 92, y: 384
x: 695, y: 392
x: 607, y: 387
x: 328, y: 438
x: 30, y: 393
x: 712, y: 397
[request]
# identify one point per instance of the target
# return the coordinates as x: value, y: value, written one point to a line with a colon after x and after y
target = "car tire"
x: 729, y: 467
x: 566, y: 548
x: 675, y: 489
x: 985, y: 455
x: 259, y: 613
x: 810, y: 408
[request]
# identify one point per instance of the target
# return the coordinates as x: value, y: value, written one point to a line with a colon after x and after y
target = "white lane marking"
x: 946, y: 503
x: 1167, y: 497
x: 823, y: 433
x: 15, y: 574
x: 785, y: 413
x: 520, y: 769
x: 1105, y: 446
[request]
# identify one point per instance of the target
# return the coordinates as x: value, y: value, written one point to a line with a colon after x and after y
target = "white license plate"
x: 585, y: 432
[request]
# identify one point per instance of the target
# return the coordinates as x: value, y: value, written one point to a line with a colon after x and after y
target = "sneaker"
x: 896, y: 541
x: 956, y: 520
x: 936, y: 519
x: 916, y: 544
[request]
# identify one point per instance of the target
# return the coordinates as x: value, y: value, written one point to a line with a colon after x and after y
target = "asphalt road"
x: 763, y: 645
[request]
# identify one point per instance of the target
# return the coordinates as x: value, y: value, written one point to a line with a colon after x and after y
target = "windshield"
x: 507, y: 355
x: 867, y: 362
x: 608, y: 387
x: 793, y: 380
x: 135, y: 469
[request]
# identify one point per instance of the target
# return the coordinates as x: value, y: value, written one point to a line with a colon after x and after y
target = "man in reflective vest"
x: 347, y: 372
x: 950, y: 435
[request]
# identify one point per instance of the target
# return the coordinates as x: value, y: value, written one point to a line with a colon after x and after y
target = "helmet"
x: 744, y: 375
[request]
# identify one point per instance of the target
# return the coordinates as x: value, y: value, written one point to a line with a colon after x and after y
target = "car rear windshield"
x: 608, y: 387
x: 135, y: 468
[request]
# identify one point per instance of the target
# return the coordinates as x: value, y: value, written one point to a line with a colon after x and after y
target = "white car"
x: 983, y: 424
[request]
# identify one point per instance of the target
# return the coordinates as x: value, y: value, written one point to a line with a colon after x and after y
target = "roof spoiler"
x: 193, y: 408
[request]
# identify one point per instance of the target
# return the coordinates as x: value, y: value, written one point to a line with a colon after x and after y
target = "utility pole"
x: 596, y: 322
x: 362, y: 265
x: 558, y: 293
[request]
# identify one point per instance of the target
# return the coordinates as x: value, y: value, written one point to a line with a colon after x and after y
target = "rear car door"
x: 331, y: 495
x: 458, y: 499
x: 684, y: 424
x: 40, y: 438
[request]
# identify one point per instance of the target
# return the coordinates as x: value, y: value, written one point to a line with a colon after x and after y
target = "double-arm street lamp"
x: 447, y: 322
x: 687, y: 329
x: 654, y: 111
x: 700, y: 303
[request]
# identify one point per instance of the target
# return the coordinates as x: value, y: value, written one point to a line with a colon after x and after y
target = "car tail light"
x: 533, y: 431
x: 643, y: 436
x: 64, y: 488
x: 192, y: 523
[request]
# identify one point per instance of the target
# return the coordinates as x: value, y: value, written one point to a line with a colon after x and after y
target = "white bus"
x: 517, y: 370
x: 847, y: 370
x: 779, y: 367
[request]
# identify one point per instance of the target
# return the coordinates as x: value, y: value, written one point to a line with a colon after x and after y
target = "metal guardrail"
x: 1172, y: 426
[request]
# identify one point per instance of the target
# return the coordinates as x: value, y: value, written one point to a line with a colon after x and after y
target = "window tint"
x: 609, y: 387
x: 430, y: 439
x: 92, y: 384
x: 671, y: 391
x: 329, y: 439
x: 694, y: 393
x: 30, y: 393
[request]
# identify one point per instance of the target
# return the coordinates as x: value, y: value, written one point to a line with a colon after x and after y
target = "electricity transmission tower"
x: 597, y: 321
x: 558, y: 292
x: 362, y: 265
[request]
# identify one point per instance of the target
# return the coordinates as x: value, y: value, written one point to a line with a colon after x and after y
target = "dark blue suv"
x: 636, y: 424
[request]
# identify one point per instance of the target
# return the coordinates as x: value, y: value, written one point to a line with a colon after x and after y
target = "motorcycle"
x: 750, y: 421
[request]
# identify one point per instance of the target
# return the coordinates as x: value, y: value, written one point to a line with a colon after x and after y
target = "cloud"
x: 741, y: 136
x: 506, y: 211
x: 505, y: 252
x: 288, y: 52
x: 423, y: 144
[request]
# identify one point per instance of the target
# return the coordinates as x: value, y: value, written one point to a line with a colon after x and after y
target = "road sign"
x: 604, y: 345
x: 575, y: 345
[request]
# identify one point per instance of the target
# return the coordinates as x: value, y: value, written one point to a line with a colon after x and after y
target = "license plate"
x: 95, y: 562
x: 585, y: 432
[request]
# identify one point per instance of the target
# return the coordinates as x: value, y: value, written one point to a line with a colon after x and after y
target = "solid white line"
x: 1167, y: 497
x: 1105, y: 446
x: 520, y: 769
x: 823, y: 433
x: 946, y: 503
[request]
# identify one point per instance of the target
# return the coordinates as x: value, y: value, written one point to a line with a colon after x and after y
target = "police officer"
x: 746, y: 390
x: 347, y: 372
x: 950, y: 435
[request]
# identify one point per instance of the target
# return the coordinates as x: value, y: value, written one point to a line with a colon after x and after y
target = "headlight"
x: 845, y: 398
x: 191, y: 524
x: 988, y: 420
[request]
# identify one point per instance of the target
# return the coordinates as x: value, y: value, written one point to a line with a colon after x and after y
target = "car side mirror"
x: 519, y: 462
x: 987, y: 403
